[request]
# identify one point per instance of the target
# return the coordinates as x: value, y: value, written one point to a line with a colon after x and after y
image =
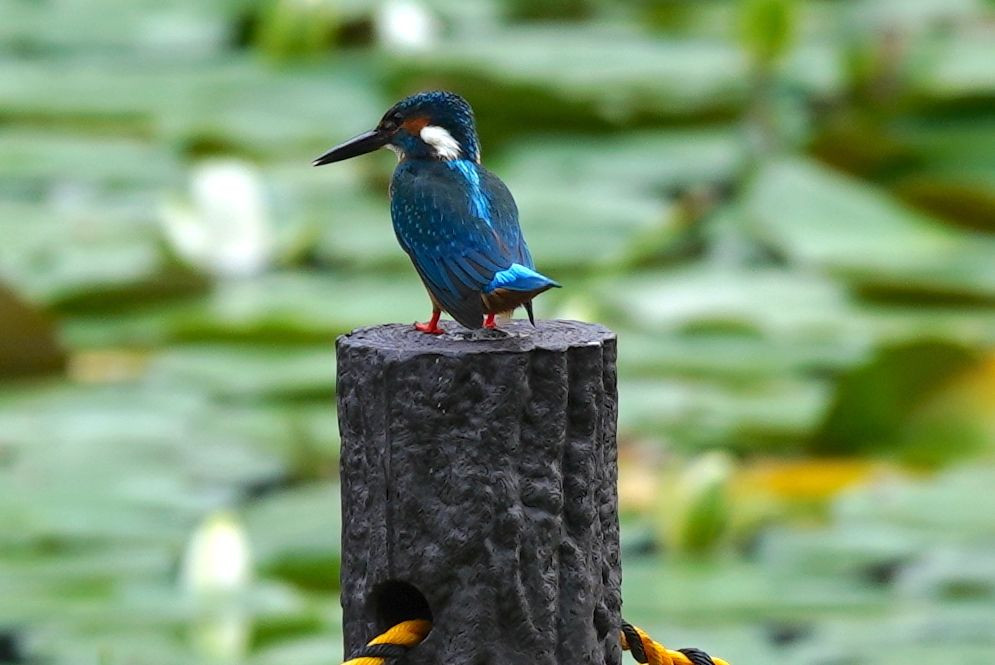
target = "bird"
x: 457, y: 221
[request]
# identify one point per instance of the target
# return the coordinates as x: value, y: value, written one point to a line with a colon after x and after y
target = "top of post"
x: 515, y: 336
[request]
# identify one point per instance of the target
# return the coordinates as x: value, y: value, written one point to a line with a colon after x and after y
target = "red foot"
x: 429, y: 328
x: 432, y: 327
x: 489, y: 322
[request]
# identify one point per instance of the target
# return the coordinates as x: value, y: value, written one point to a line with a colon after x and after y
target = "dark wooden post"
x: 479, y: 490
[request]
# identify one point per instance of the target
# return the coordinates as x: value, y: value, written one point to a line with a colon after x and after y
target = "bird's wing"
x: 504, y: 218
x: 456, y: 236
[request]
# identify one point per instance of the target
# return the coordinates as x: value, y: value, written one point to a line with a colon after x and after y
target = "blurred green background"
x: 786, y: 209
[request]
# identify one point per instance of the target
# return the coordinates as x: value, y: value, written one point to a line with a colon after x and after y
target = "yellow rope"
x: 392, y: 644
x: 396, y: 641
x: 657, y: 654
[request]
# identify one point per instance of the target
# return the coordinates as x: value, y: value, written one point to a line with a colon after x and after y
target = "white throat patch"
x: 439, y: 138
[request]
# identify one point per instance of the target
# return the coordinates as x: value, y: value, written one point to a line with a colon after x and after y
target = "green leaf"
x: 294, y: 536
x: 242, y: 371
x: 826, y: 220
x: 286, y: 307
x: 767, y: 27
x: 872, y: 404
x: 760, y: 415
x: 584, y: 77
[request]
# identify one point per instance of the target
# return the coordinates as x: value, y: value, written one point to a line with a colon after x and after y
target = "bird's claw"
x: 431, y: 328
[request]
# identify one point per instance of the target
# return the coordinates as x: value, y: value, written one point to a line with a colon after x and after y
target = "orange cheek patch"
x: 415, y: 125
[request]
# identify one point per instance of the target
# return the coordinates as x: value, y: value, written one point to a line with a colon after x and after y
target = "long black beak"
x: 358, y: 145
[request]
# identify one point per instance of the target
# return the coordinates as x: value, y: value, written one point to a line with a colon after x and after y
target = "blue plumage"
x: 517, y: 278
x: 456, y: 220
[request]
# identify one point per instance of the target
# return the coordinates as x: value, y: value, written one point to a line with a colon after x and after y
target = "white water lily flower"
x: 216, y: 573
x: 224, y: 229
x: 406, y: 25
x: 217, y: 559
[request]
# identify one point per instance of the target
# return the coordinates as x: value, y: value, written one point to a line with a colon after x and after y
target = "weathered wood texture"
x: 482, y: 474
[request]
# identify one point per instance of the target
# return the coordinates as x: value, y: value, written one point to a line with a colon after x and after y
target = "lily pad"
x: 240, y: 371
x: 295, y: 536
x: 826, y: 220
x: 774, y: 414
x: 286, y: 307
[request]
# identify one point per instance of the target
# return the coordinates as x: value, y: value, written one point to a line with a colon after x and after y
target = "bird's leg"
x: 489, y: 322
x: 432, y: 327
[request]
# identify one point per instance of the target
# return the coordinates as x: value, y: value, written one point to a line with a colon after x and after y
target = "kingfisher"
x: 455, y: 219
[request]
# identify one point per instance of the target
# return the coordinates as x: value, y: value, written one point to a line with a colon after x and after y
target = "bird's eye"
x: 390, y: 123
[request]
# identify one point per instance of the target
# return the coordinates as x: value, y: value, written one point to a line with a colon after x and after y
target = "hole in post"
x: 395, y: 601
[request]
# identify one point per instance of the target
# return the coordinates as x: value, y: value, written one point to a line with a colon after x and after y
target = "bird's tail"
x: 515, y: 286
x: 520, y: 278
x: 528, y: 310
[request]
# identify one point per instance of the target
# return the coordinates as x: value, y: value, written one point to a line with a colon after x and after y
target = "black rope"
x: 697, y: 656
x: 385, y: 651
x: 635, y: 642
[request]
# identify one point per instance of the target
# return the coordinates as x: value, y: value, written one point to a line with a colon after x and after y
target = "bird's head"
x: 429, y: 125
